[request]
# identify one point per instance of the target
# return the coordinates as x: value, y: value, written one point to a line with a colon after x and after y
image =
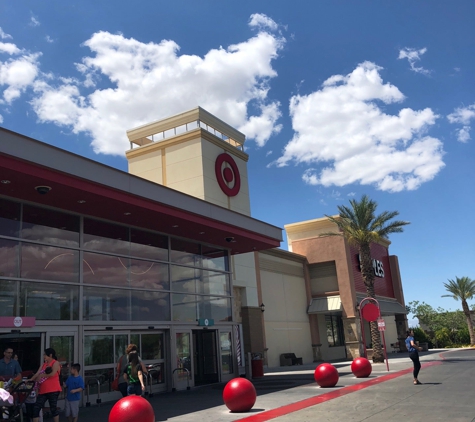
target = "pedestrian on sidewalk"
x: 413, y: 350
x: 134, y: 376
x: 121, y: 365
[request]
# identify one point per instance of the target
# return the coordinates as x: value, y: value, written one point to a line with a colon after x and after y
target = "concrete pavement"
x: 291, y: 394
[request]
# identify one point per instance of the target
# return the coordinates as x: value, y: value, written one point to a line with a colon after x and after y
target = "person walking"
x: 134, y: 376
x: 9, y: 367
x: 121, y: 365
x: 49, y: 385
x: 414, y: 350
x: 75, y: 385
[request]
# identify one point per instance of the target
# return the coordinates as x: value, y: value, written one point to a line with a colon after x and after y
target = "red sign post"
x: 370, y: 311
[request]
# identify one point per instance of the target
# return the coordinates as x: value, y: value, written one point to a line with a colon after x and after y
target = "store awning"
x: 320, y: 305
x: 388, y: 306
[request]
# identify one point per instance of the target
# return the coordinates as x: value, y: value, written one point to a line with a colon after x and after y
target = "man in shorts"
x: 75, y: 385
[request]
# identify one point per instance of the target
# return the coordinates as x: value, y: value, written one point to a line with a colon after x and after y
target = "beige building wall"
x: 285, y: 296
x: 180, y: 152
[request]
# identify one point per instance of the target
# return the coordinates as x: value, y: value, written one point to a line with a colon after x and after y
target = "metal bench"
x: 289, y: 359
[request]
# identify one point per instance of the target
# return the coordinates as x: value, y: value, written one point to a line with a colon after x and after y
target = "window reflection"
x: 49, y: 301
x: 106, y: 304
x: 215, y: 283
x: 98, y: 349
x: 9, y: 218
x: 48, y: 226
x: 49, y: 263
x: 8, y: 295
x: 185, y: 279
x: 150, y: 306
x: 152, y: 346
x: 184, y: 307
x: 106, y: 237
x: 215, y: 259
x: 8, y: 258
x: 183, y: 252
x: 149, y: 275
x: 148, y: 245
x: 217, y: 308
x: 225, y: 341
x: 105, y: 269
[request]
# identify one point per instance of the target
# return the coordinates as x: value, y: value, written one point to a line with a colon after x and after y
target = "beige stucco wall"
x: 148, y: 166
x: 244, y: 276
x: 286, y: 321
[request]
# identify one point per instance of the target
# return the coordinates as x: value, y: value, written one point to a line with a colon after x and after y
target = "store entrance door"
x: 205, y: 357
x: 27, y: 346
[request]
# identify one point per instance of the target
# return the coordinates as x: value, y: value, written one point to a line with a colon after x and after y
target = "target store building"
x: 166, y: 256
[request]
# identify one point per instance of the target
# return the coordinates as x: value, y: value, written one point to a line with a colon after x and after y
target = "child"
x: 75, y: 385
x: 134, y: 376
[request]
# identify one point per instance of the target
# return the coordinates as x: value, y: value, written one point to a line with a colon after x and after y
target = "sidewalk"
x: 291, y: 394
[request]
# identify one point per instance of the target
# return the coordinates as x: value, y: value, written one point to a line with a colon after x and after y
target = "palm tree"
x: 360, y: 226
x: 463, y: 289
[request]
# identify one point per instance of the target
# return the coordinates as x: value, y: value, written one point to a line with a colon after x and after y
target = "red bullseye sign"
x: 370, y: 312
x: 227, y: 174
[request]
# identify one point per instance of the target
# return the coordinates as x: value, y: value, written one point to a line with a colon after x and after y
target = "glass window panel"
x: 135, y: 339
x: 105, y: 269
x: 183, y: 355
x: 185, y: 279
x: 8, y: 296
x: 217, y: 308
x: 149, y: 275
x: 192, y: 125
x: 157, y: 373
x: 184, y: 307
x: 105, y: 376
x: 98, y: 349
x: 49, y: 263
x: 48, y: 226
x: 49, y: 301
x: 147, y: 245
x: 226, y: 353
x: 9, y: 218
x: 102, y: 304
x: 215, y: 283
x: 180, y: 129
x: 183, y: 252
x: 121, y: 343
x: 106, y: 237
x: 215, y: 259
x: 150, y: 306
x: 8, y: 258
x: 152, y: 346
x: 168, y: 133
x: 64, y: 348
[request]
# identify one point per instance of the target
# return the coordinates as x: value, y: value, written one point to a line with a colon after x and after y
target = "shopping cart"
x: 11, y: 412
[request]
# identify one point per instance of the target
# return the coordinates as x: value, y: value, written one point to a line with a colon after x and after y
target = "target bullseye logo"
x: 227, y: 174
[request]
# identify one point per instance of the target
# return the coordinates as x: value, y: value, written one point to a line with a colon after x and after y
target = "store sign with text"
x: 377, y: 267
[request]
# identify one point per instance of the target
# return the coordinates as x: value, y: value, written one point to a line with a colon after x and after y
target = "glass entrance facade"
x: 109, y: 283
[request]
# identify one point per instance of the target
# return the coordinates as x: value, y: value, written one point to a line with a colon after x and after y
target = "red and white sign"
x: 381, y: 324
x: 17, y: 322
x: 227, y: 174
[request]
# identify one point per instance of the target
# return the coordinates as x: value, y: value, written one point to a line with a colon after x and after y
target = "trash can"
x: 257, y: 366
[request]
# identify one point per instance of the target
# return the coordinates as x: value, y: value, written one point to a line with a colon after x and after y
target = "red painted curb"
x: 312, y: 401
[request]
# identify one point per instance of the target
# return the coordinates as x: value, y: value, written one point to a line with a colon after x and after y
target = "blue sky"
x: 337, y: 99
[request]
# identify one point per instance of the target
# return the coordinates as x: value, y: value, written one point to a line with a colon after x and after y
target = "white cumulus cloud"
x: 34, y: 21
x: 261, y: 21
x: 463, y: 116
x: 413, y: 56
x: 4, y: 35
x: 342, y: 131
x: 152, y: 80
x: 17, y: 72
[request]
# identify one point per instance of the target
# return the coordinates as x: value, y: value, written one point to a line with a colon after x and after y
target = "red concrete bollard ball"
x: 132, y: 409
x: 326, y: 375
x: 239, y: 395
x: 361, y: 367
